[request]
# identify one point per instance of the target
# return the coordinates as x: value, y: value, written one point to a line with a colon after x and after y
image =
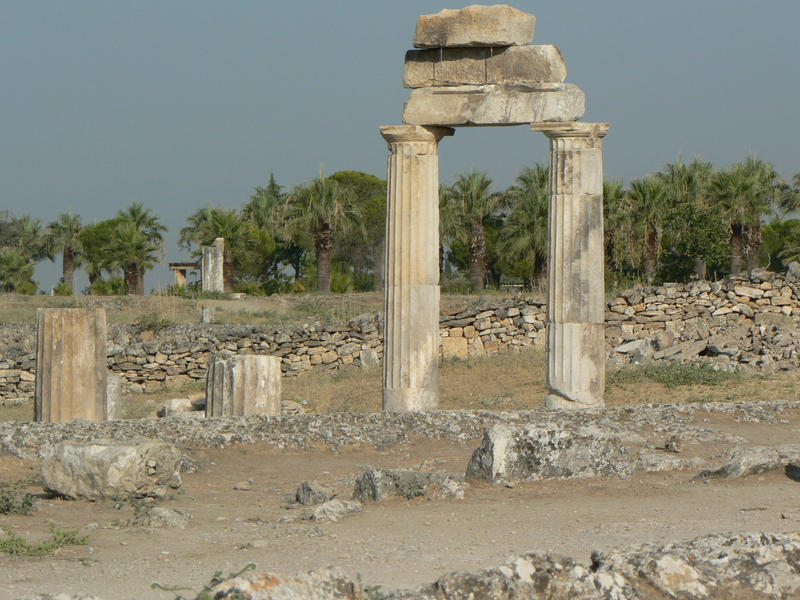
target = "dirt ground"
x: 395, y: 544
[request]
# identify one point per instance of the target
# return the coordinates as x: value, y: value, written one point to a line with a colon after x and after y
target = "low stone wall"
x: 749, y: 321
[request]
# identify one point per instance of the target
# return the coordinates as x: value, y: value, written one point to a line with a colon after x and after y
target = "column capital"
x: 395, y: 134
x: 572, y: 129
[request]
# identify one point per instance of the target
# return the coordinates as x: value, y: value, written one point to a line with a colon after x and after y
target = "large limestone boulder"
x: 742, y: 462
x: 512, y: 453
x: 475, y: 25
x: 105, y: 469
x: 493, y: 104
x: 525, y: 65
x: 321, y: 584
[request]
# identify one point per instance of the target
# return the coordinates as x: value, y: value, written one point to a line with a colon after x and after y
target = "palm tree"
x: 31, y: 240
x: 472, y: 199
x: 743, y: 194
x: 64, y: 234
x: 16, y: 271
x: 322, y: 207
x: 268, y: 209
x: 613, y: 221
x: 209, y: 223
x: 150, y: 226
x: 688, y: 187
x: 133, y: 251
x: 648, y: 201
x: 524, y: 233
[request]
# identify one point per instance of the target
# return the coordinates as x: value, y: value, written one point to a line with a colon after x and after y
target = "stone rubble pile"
x: 474, y: 67
x: 751, y: 321
x: 717, y: 566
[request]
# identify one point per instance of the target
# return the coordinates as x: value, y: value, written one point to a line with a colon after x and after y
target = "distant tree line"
x: 690, y: 220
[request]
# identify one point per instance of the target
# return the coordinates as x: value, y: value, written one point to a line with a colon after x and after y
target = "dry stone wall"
x: 751, y: 321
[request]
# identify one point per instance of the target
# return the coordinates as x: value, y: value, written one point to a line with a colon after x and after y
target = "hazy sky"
x: 183, y: 104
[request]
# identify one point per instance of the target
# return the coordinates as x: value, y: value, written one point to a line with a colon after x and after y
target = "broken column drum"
x: 411, y: 339
x: 475, y: 67
x: 243, y: 386
x: 70, y: 364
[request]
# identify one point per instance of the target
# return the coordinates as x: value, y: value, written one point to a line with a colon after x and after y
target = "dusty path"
x: 395, y: 544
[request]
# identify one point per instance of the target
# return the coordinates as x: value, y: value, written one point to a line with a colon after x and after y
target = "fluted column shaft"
x: 411, y: 333
x: 576, y: 283
x: 243, y: 385
x: 70, y: 365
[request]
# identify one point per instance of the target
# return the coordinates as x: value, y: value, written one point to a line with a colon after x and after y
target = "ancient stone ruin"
x: 474, y: 67
x: 70, y: 364
x: 212, y: 267
x: 243, y: 386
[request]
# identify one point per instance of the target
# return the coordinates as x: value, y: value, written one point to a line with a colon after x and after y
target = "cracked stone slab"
x: 494, y: 104
x: 475, y: 25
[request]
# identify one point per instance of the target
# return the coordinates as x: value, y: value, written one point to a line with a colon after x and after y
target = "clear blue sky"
x: 182, y: 104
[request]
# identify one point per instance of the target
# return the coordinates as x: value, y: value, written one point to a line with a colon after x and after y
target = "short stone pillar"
x: 243, y: 385
x: 576, y: 281
x: 70, y: 364
x: 411, y: 336
x: 212, y: 277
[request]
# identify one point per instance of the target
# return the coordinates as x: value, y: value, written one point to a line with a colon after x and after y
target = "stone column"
x: 243, y: 385
x: 575, y: 295
x: 70, y: 364
x: 411, y: 335
x: 212, y: 267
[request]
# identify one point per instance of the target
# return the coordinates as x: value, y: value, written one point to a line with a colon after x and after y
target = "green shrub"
x: 153, y: 321
x: 113, y: 286
x: 672, y: 374
x: 19, y: 546
x: 62, y: 289
x: 12, y: 499
x: 251, y: 288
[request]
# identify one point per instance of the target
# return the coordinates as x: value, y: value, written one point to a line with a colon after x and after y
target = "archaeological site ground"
x: 578, y: 443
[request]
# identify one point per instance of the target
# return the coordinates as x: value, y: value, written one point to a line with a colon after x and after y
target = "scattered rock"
x: 547, y: 451
x: 104, y: 469
x: 376, y: 485
x: 656, y: 462
x: 310, y: 493
x: 175, y: 406
x: 757, y: 459
x: 333, y: 510
x: 322, y: 584
x: 289, y: 407
x: 160, y: 516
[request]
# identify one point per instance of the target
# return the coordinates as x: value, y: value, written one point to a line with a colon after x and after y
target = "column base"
x: 556, y: 401
x: 410, y: 399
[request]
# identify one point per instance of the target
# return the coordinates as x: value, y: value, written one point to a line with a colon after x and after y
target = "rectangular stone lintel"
x: 469, y: 105
x: 477, y: 66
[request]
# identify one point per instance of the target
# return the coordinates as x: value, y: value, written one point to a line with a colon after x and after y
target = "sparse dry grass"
x: 509, y: 381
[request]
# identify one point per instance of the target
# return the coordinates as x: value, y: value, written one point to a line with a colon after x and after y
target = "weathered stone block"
x: 104, y: 469
x: 547, y: 451
x: 455, y: 347
x: 526, y: 65
x: 70, y: 364
x: 475, y: 25
x: 244, y: 385
x: 494, y: 104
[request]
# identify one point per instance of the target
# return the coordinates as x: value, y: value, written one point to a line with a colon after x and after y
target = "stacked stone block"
x: 70, y: 365
x: 474, y: 67
x: 243, y: 386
